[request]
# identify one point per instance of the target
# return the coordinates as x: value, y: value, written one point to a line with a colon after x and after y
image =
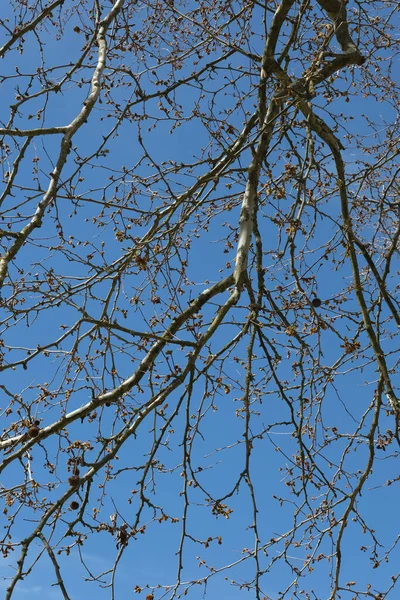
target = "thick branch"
x: 66, y: 143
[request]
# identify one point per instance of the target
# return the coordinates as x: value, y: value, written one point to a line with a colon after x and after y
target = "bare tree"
x: 199, y: 291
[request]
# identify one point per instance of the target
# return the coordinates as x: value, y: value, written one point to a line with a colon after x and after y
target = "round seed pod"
x: 74, y: 505
x: 33, y: 431
x: 316, y: 302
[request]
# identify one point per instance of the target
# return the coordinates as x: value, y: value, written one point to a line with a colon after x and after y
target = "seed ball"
x: 74, y: 505
x: 33, y: 431
x: 316, y: 302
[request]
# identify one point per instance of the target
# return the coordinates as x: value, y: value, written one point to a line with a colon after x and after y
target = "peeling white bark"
x: 65, y: 145
x: 248, y: 210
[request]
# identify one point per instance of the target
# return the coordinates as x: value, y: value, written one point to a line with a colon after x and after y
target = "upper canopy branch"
x: 338, y: 14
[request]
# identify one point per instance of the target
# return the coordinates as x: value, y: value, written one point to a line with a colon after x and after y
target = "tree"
x: 199, y: 333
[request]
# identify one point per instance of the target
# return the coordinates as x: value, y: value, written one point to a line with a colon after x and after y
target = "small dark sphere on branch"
x: 33, y: 431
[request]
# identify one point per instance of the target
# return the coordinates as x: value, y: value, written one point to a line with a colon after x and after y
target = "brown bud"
x: 122, y: 536
x: 74, y: 505
x: 74, y: 481
x: 33, y: 431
